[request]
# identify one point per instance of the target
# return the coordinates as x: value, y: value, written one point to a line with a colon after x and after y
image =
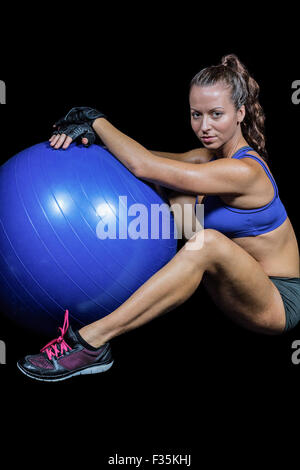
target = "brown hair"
x: 244, y: 91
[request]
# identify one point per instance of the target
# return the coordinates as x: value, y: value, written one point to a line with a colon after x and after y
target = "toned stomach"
x: 276, y: 251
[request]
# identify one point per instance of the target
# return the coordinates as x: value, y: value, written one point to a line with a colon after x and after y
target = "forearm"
x: 132, y: 154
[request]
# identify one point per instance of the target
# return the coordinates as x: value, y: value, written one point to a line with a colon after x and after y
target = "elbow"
x: 144, y: 168
x: 138, y: 171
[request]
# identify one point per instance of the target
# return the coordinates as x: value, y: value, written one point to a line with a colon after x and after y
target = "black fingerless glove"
x: 76, y: 131
x: 80, y: 115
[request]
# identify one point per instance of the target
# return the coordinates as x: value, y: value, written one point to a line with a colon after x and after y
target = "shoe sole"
x: 89, y: 370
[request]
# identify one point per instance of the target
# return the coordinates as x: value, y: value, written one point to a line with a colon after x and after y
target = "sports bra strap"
x: 237, y: 153
x: 247, y: 155
x: 243, y: 149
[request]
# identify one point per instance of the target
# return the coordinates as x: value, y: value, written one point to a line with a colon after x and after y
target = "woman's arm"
x: 131, y: 153
x: 223, y: 176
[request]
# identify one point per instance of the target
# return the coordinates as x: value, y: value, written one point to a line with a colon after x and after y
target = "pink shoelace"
x: 52, y: 348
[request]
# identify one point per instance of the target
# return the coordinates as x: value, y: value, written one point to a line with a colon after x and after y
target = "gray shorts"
x: 289, y: 288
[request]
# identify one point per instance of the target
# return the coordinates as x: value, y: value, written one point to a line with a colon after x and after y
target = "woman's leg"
x: 233, y: 278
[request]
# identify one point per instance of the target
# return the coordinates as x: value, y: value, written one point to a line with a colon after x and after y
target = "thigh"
x: 238, y: 285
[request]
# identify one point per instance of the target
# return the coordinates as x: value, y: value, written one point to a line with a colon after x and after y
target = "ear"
x: 241, y: 114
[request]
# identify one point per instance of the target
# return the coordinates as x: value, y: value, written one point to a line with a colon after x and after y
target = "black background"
x: 191, y: 381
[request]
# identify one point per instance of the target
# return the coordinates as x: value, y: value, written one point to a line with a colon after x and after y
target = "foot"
x: 66, y: 356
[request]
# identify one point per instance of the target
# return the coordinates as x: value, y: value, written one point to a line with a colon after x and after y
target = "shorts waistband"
x: 294, y: 279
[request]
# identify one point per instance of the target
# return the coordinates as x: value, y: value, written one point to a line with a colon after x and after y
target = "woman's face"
x: 214, y: 118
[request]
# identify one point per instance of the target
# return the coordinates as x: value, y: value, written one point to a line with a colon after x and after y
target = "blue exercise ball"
x: 77, y: 232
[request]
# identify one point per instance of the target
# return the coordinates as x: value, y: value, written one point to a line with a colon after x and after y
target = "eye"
x: 217, y: 114
x: 195, y: 114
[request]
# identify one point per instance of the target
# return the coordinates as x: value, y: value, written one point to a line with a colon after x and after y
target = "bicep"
x: 223, y: 176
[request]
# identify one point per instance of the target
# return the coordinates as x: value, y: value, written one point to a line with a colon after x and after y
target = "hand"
x: 80, y: 115
x: 65, y: 134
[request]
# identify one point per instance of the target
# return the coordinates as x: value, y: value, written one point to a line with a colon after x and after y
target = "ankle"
x: 88, y: 336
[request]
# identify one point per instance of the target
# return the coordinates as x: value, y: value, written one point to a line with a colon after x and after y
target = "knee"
x: 212, y: 238
x: 206, y: 239
x: 207, y: 247
x: 216, y: 245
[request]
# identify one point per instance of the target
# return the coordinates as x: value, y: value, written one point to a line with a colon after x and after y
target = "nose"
x: 205, y: 124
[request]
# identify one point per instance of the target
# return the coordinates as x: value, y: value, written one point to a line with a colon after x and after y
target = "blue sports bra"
x: 237, y: 223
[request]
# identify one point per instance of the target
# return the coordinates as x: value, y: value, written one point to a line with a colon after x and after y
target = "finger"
x: 84, y: 140
x: 90, y: 136
x: 60, y: 141
x: 67, y: 142
x: 54, y: 139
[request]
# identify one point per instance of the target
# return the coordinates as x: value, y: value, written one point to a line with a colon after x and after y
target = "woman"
x: 249, y: 261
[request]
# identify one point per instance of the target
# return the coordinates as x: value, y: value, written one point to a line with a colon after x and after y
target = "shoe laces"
x: 58, y: 345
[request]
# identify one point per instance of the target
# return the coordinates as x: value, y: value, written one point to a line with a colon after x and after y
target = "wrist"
x: 96, y: 122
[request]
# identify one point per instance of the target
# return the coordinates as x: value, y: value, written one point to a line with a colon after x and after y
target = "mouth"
x: 208, y: 138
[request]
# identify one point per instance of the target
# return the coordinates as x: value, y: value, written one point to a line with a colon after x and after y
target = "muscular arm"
x: 223, y: 176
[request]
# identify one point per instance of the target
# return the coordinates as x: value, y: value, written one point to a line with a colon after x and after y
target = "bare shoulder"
x: 253, y: 163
